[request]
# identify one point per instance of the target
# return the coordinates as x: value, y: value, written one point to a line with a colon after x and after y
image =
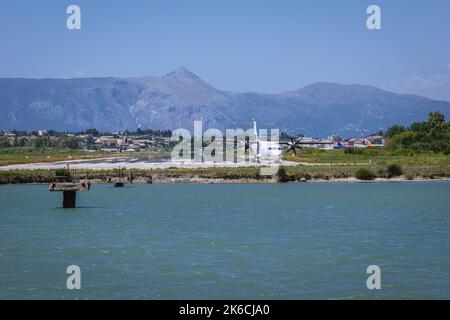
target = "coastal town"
x: 148, y: 140
x: 90, y: 140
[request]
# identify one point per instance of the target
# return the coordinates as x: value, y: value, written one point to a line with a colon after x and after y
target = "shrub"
x: 394, y: 170
x: 61, y: 173
x: 364, y: 174
x: 282, y: 175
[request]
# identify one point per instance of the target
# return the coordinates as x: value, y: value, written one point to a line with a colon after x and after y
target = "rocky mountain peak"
x: 182, y: 73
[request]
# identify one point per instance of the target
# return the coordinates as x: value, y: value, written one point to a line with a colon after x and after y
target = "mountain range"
x: 180, y: 97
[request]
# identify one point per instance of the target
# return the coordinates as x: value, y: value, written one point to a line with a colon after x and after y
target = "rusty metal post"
x: 69, y: 199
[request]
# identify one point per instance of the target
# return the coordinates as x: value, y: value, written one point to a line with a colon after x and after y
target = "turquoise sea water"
x: 256, y: 241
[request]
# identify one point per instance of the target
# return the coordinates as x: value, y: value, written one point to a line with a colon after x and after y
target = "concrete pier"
x: 69, y: 190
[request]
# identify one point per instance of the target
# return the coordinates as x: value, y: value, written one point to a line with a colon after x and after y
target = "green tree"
x: 431, y: 135
x: 68, y: 143
x: 394, y: 130
x: 92, y: 131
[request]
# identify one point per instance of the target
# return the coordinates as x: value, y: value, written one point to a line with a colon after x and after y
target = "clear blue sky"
x: 238, y: 45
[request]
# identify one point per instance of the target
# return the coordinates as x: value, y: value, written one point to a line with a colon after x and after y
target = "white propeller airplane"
x: 273, y: 150
x: 263, y: 148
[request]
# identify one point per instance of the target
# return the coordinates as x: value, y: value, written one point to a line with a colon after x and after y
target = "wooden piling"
x: 120, y: 180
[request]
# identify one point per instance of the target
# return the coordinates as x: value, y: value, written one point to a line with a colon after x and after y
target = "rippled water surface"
x: 258, y: 241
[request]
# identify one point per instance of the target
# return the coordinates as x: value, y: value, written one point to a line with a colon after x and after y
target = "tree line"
x: 431, y: 135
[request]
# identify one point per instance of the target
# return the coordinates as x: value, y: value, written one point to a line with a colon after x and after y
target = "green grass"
x: 326, y: 165
x: 46, y: 176
x: 368, y: 156
x: 290, y: 173
x: 345, y: 171
x: 11, y: 156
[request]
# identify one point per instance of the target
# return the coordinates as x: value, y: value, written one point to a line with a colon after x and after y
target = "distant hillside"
x: 179, y: 98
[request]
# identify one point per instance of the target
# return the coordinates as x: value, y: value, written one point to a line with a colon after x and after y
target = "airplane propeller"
x: 292, y: 145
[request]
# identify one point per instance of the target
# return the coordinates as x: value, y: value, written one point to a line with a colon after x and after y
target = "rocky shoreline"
x: 160, y: 179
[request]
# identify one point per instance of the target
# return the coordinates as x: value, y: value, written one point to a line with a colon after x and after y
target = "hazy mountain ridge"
x: 180, y: 97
